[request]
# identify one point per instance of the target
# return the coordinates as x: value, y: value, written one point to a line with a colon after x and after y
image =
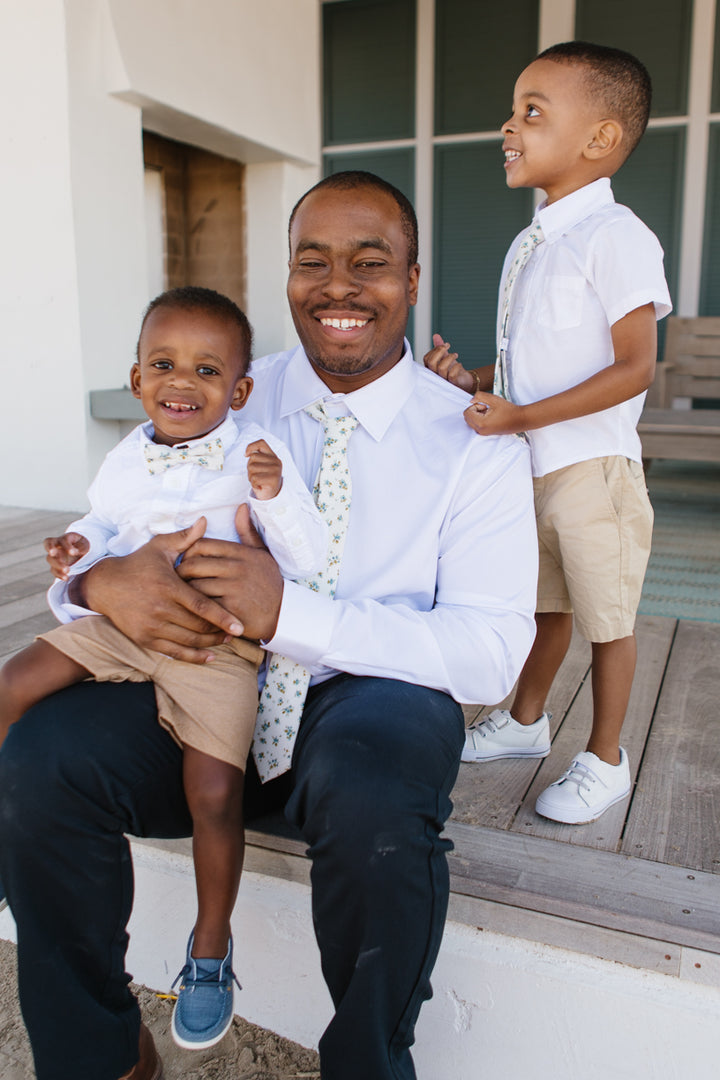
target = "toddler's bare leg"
x: 613, y: 670
x: 554, y: 630
x: 214, y: 791
x: 30, y: 676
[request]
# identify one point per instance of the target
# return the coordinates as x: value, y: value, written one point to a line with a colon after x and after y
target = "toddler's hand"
x: 63, y: 551
x: 445, y: 363
x: 264, y: 470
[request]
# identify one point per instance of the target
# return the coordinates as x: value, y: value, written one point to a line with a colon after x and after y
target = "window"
x: 416, y: 90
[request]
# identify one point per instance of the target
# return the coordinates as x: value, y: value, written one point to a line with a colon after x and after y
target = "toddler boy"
x: 190, y: 459
x: 581, y: 291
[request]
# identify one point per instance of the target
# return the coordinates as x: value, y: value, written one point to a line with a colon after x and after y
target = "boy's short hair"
x: 352, y: 179
x: 617, y: 78
x: 210, y: 302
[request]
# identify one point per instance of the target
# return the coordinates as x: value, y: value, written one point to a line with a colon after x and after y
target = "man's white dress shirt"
x: 598, y: 263
x: 438, y: 577
x: 129, y: 505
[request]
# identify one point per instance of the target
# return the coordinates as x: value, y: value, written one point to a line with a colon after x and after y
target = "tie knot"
x: 535, y: 236
x: 336, y: 427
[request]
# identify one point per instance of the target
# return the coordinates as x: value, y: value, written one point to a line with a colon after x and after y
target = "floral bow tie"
x: 208, y: 454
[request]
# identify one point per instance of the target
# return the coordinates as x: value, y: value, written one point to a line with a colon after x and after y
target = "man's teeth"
x: 179, y: 406
x: 344, y: 324
x: 512, y: 155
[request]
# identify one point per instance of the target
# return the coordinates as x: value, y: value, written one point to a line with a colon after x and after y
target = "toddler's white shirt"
x: 599, y: 262
x: 129, y: 505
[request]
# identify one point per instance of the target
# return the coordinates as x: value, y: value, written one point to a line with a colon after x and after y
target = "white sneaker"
x: 586, y: 790
x: 499, y: 736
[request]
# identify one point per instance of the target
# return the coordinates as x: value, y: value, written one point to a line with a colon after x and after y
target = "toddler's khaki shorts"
x: 210, y: 707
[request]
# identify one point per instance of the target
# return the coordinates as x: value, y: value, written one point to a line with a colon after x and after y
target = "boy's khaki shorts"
x: 594, y: 522
x: 211, y: 707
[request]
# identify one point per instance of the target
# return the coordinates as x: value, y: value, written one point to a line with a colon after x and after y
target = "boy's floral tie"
x: 283, y: 696
x: 531, y: 241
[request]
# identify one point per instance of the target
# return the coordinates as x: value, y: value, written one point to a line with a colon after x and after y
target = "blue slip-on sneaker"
x: 204, y: 1008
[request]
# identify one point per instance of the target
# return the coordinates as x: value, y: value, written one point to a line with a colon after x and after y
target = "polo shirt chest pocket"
x: 562, y: 301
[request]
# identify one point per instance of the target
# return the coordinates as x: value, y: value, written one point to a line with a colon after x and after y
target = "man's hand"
x: 147, y: 599
x: 444, y: 362
x: 264, y: 470
x: 244, y: 577
x: 63, y: 551
x: 491, y: 415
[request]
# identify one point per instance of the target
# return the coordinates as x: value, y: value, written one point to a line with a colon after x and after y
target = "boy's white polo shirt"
x: 598, y: 263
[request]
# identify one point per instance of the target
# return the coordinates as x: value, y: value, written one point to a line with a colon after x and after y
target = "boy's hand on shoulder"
x: 491, y: 415
x: 264, y: 470
x: 63, y: 551
x: 444, y: 362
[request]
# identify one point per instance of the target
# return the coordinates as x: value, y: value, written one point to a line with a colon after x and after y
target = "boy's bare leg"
x: 554, y: 630
x: 214, y: 791
x: 31, y: 675
x: 613, y: 669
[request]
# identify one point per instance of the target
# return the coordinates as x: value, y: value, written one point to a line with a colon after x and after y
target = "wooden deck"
x: 650, y: 867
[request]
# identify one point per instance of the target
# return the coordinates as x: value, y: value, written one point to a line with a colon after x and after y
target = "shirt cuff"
x: 305, y: 625
x: 61, y: 606
x: 277, y: 507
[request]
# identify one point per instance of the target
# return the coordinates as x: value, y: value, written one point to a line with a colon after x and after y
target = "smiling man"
x: 433, y: 605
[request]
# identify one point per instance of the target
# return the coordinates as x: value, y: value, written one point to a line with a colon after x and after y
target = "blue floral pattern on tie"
x: 287, y: 682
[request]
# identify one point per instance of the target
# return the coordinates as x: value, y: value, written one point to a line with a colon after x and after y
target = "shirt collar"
x: 227, y: 431
x: 375, y: 405
x: 563, y: 215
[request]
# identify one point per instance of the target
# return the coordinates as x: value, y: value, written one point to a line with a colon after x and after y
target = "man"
x: 433, y: 604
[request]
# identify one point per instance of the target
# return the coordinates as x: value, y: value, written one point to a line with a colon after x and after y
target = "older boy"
x: 583, y: 287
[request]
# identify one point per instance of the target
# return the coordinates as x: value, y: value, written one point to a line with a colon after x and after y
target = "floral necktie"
x: 531, y: 241
x: 286, y: 686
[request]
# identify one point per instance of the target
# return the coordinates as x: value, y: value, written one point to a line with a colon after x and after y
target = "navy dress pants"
x: 373, y: 768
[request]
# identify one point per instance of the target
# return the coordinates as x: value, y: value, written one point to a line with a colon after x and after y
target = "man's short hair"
x: 356, y: 178
x: 209, y: 302
x: 617, y: 78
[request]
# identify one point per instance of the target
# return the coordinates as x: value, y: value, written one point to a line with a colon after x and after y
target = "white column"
x: 424, y: 168
x: 696, y: 156
x: 557, y: 22
x: 271, y: 191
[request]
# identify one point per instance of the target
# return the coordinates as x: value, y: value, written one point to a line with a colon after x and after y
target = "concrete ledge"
x: 116, y: 405
x: 576, y: 1008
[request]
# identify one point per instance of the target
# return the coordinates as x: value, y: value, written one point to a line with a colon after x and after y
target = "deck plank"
x: 31, y: 529
x: 597, y: 887
x: 654, y: 639
x: 17, y: 635
x: 675, y: 816
x: 28, y: 579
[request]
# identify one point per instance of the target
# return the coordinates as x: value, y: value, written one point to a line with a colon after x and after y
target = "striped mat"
x: 683, y: 576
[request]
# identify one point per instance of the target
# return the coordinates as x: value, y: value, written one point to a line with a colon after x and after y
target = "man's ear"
x: 135, y: 380
x: 606, y: 138
x: 414, y: 279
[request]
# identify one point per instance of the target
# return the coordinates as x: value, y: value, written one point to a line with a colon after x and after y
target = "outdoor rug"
x: 683, y: 576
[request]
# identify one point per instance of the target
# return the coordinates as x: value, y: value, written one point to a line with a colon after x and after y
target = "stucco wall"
x: 78, y: 81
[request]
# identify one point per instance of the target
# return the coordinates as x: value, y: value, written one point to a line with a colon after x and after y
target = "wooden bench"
x: 670, y: 426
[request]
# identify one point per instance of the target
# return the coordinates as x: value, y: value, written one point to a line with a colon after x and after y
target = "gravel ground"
x: 246, y: 1053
